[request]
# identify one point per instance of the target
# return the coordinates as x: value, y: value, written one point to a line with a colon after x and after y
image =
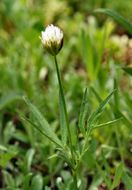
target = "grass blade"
x: 107, y: 123
x: 10, y: 97
x: 42, y: 124
x: 127, y: 181
x: 99, y: 110
x: 128, y: 70
x: 117, y: 17
x: 118, y: 174
x: 83, y: 113
x: 103, y: 174
x: 88, y: 52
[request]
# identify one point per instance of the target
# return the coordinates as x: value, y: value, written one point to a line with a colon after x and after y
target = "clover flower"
x: 52, y: 39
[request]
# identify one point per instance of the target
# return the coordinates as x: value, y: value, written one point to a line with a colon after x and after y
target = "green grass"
x: 80, y: 137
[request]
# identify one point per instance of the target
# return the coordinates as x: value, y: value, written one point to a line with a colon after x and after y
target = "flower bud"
x: 52, y: 39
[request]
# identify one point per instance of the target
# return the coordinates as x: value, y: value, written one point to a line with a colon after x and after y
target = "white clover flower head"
x: 52, y: 39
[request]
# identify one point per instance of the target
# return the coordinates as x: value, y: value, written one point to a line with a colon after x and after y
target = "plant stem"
x: 75, y: 180
x: 64, y: 104
x: 85, y: 146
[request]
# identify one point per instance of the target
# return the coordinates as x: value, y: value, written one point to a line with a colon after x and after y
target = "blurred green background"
x: 95, y: 50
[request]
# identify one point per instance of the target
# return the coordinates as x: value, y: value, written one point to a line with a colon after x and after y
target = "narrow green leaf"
x: 127, y: 181
x: 87, y: 53
x: 29, y: 157
x: 94, y: 116
x: 126, y: 121
x: 128, y: 70
x: 107, y: 168
x: 3, y: 148
x: 10, y: 97
x: 19, y: 135
x: 116, y: 96
x: 107, y: 147
x: 9, y: 180
x: 106, y: 124
x: 99, y: 110
x: 96, y: 94
x: 41, y: 123
x: 53, y: 156
x: 118, y: 175
x: 83, y: 113
x: 103, y: 174
x: 116, y: 111
x: 117, y: 17
x: 26, y: 181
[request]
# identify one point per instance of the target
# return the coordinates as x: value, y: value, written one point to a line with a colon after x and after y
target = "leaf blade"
x: 128, y: 70
x: 9, y: 98
x: 118, y: 174
x: 83, y: 113
x: 107, y: 123
x: 117, y: 17
x: 99, y: 110
x: 42, y: 124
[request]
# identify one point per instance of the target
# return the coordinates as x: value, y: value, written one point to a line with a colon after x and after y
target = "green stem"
x: 65, y: 110
x: 85, y: 146
x: 75, y: 180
